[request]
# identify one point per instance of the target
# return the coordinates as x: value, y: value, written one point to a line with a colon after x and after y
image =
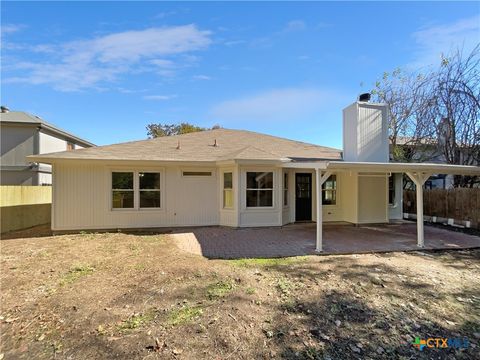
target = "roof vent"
x: 4, y: 109
x: 364, y: 97
x: 215, y: 143
x: 178, y: 145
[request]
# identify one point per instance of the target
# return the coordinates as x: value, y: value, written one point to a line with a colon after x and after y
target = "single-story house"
x: 237, y: 178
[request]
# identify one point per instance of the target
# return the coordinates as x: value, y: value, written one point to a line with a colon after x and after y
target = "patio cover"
x: 418, y: 172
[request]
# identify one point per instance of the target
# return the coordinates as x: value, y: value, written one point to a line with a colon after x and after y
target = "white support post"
x: 419, y: 179
x: 319, y: 182
x: 420, y: 230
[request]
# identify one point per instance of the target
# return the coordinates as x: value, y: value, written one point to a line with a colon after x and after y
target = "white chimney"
x: 365, y: 132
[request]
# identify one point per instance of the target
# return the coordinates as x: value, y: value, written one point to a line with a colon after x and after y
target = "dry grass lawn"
x: 92, y: 296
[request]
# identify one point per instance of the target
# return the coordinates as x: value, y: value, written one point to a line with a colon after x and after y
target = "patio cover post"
x: 419, y: 179
x: 320, y: 180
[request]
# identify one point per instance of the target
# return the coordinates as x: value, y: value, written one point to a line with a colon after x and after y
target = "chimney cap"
x: 4, y: 109
x: 365, y: 97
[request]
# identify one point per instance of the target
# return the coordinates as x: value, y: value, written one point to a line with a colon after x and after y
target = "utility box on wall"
x: 365, y: 132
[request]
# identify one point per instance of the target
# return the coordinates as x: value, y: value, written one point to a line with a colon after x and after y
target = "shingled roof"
x: 24, y: 118
x: 200, y: 146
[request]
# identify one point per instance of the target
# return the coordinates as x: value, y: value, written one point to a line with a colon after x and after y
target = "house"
x: 236, y: 178
x: 23, y: 134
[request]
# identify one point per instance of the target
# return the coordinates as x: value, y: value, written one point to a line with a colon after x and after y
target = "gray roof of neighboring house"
x: 199, y: 146
x: 20, y: 117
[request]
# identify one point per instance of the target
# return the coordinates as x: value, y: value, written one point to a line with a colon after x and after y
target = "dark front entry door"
x: 303, y: 197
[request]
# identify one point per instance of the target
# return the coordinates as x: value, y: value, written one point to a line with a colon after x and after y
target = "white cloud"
x: 202, y: 77
x: 12, y: 28
x: 295, y: 25
x: 274, y: 105
x: 434, y: 40
x: 88, y: 63
x: 159, y: 97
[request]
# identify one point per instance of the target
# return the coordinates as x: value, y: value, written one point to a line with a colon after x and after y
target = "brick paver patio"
x: 299, y: 239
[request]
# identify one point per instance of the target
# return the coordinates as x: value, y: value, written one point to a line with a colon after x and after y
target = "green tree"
x: 159, y: 129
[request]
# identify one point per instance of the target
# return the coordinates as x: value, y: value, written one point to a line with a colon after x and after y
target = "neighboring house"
x: 235, y: 178
x: 426, y: 149
x: 23, y: 134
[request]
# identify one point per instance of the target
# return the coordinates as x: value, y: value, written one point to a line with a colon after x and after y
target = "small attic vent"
x: 364, y: 97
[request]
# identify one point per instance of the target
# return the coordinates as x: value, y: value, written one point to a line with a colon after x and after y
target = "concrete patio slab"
x: 299, y: 239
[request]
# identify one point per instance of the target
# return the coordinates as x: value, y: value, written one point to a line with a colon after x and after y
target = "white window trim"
x: 336, y: 205
x: 283, y: 190
x: 210, y: 170
x: 254, y: 208
x: 136, y: 189
x: 223, y: 190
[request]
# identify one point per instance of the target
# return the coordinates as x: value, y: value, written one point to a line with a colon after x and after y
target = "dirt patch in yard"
x: 130, y: 296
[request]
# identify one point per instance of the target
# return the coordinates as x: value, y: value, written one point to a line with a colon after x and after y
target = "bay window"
x: 259, y: 189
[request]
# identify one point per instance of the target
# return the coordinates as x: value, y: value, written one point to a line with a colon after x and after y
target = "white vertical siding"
x: 349, y: 196
x: 372, y: 199
x: 82, y: 200
x: 396, y: 209
x: 365, y: 136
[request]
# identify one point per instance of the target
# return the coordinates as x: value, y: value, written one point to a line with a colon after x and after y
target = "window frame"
x: 159, y: 190
x: 286, y: 190
x: 112, y: 190
x: 335, y: 190
x: 392, y: 190
x: 272, y: 171
x: 197, y: 170
x: 136, y: 189
x: 227, y: 189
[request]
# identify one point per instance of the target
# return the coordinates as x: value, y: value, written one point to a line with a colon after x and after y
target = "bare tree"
x: 457, y: 108
x: 407, y: 95
x: 435, y: 115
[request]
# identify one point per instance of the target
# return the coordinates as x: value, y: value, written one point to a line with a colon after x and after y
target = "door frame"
x: 311, y: 175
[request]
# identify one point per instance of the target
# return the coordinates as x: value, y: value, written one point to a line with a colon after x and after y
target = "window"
x: 122, y: 190
x: 197, y: 173
x: 391, y: 190
x: 149, y: 189
x: 227, y: 190
x: 329, y: 191
x: 259, y: 189
x: 135, y: 190
x: 285, y: 189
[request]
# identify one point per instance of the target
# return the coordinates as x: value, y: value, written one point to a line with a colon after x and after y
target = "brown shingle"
x: 199, y: 146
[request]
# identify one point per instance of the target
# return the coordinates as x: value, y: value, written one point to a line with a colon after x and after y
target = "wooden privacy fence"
x: 460, y: 204
x: 22, y: 207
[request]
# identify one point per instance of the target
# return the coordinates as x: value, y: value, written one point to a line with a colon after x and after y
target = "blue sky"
x: 104, y: 70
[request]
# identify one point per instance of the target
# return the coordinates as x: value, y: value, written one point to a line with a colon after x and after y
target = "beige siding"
x: 349, y: 195
x: 82, y: 199
x: 372, y: 199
